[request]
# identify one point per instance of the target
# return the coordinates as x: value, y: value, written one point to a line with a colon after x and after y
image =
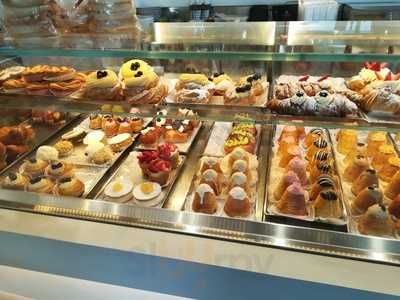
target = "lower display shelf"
x: 173, y: 213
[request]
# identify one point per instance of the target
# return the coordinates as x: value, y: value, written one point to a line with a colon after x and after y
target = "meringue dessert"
x: 47, y: 153
x: 376, y: 221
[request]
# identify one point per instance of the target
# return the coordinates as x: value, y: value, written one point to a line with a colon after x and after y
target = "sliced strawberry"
x: 304, y: 78
x: 384, y: 65
x: 160, y: 166
x: 147, y: 156
x: 378, y: 75
x: 367, y: 65
x: 324, y: 77
x: 388, y: 76
x: 166, y: 150
x: 375, y: 66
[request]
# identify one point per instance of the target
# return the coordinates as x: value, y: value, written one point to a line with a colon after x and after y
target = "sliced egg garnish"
x: 147, y: 191
x: 118, y: 189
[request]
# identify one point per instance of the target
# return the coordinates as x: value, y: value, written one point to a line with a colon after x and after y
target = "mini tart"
x: 57, y: 170
x: 136, y: 124
x: 64, y: 148
x: 74, y: 136
x: 120, y: 142
x: 95, y: 121
x: 111, y: 128
x: 70, y: 186
x: 149, y: 136
x: 14, y: 181
x: 34, y: 167
x: 125, y: 127
x: 40, y: 184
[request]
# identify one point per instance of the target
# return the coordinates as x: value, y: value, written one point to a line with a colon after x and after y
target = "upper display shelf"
x: 327, y: 41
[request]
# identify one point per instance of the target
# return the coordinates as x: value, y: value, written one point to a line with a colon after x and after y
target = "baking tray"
x: 129, y: 169
x: 261, y: 101
x: 182, y: 147
x: 77, y: 156
x: 310, y: 221
x: 219, y: 133
x: 346, y: 186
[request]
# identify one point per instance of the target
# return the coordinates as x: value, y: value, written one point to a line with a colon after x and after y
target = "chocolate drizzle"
x: 323, y: 93
x: 65, y: 180
x: 324, y: 168
x: 135, y: 66
x: 325, y: 181
x: 12, y: 176
x: 35, y: 180
x: 138, y: 74
x: 321, y: 156
x: 320, y: 143
x: 101, y: 74
x: 299, y: 94
x: 244, y: 88
x: 57, y: 165
x: 329, y: 195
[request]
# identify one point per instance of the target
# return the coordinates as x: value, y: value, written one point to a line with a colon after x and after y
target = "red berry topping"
x: 388, y: 76
x: 166, y: 150
x: 378, y: 75
x: 324, y: 77
x: 160, y: 166
x: 147, y: 156
x: 304, y: 78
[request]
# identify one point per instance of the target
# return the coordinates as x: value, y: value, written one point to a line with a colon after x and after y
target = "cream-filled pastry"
x: 103, y: 84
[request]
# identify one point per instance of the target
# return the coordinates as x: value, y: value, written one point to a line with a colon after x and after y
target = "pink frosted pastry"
x: 298, y: 166
x: 292, y: 152
x: 293, y: 201
x: 288, y: 179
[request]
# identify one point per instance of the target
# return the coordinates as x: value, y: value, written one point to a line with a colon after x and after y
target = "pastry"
x: 65, y: 88
x: 14, y: 181
x: 14, y: 72
x: 237, y: 203
x: 376, y: 221
x: 239, y: 179
x: 291, y: 152
x: 34, y: 167
x: 136, y: 125
x: 104, y: 85
x: 255, y: 81
x: 293, y: 201
x: 288, y: 179
x: 211, y: 178
x: 149, y: 136
x: 289, y: 131
x: 241, y: 95
x: 319, y: 145
x: 169, y: 152
x: 355, y: 168
x: 125, y: 127
x: 389, y: 169
x: 18, y: 135
x: 320, y: 169
x: 320, y: 157
x: 384, y: 153
x: 238, y: 154
x: 346, y: 140
x: 15, y: 86
x: 359, y: 149
x: 104, y: 120
x: 245, y: 127
x: 204, y: 200
x: 240, y: 139
x: 70, y: 186
x: 98, y: 153
x: 146, y: 191
x: 367, y: 197
x: 159, y: 171
x: 286, y: 142
x: 393, y: 188
x: 47, y: 153
x: 211, y: 163
x: 75, y: 136
x: 13, y: 151
x: 97, y: 136
x: 119, y: 191
x: 145, y: 158
x: 64, y: 148
x: 95, y: 121
x: 323, y: 182
x: 38, y: 88
x: 297, y: 165
x: 120, y: 142
x: 374, y: 141
x: 367, y: 178
x: 48, y: 73
x: 194, y: 88
x: 327, y: 205
x: 40, y: 184
x: 314, y: 135
x: 222, y: 83
x: 57, y: 170
x: 110, y: 128
x: 394, y: 207
x: 176, y: 133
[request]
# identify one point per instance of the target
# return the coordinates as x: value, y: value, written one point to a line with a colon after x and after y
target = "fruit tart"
x: 159, y: 171
x: 170, y: 153
x: 177, y: 132
x: 145, y: 158
x: 149, y: 136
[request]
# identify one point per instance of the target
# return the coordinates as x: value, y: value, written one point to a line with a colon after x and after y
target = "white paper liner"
x: 219, y: 134
x: 346, y: 186
x: 182, y: 147
x: 278, y: 173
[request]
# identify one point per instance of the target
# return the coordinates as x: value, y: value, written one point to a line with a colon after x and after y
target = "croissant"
x: 13, y: 151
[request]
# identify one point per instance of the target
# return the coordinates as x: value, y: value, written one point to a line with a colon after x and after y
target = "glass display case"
x: 282, y: 135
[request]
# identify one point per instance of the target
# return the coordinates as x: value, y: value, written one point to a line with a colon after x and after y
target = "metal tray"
x: 353, y: 219
x: 133, y: 173
x: 311, y: 220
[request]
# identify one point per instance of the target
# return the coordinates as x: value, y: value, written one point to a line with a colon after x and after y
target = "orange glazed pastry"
x: 327, y: 205
x: 210, y: 177
x: 355, y: 168
x: 320, y: 157
x: 394, y: 207
x: 125, y: 127
x: 293, y: 201
x: 289, y: 131
x: 204, y: 200
x: 346, y: 140
x: 292, y: 152
x: 319, y: 145
x: 286, y: 142
x: 374, y: 141
x: 237, y: 204
x: 297, y: 166
x: 389, y: 168
x: 376, y: 221
x: 384, y: 153
x: 239, y: 179
x: 301, y: 132
x: 312, y: 136
x: 320, y: 169
x: 288, y: 179
x: 393, y: 188
x: 136, y: 124
x: 366, y: 179
x: 359, y: 149
x: 323, y: 182
x: 367, y: 197
x: 211, y: 163
x: 111, y: 127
